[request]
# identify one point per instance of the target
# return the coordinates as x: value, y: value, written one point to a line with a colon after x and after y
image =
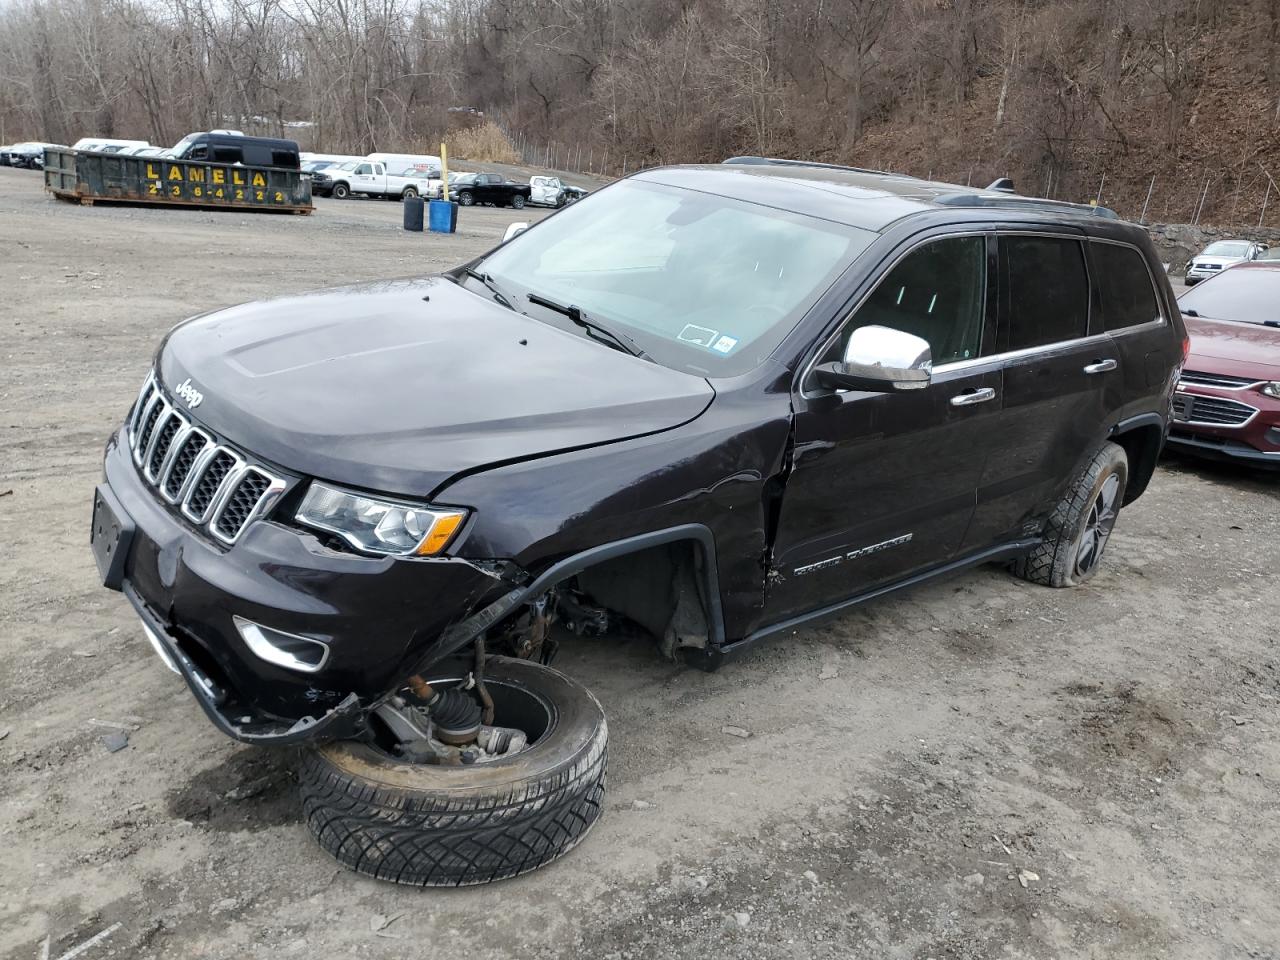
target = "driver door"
x: 883, y: 485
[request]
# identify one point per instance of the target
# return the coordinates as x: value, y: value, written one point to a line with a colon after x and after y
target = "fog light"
x: 286, y: 650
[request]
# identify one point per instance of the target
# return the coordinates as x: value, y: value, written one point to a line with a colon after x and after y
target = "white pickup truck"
x: 370, y: 178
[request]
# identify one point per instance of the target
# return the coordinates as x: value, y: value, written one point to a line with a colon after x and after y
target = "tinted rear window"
x: 1047, y: 290
x: 1124, y: 283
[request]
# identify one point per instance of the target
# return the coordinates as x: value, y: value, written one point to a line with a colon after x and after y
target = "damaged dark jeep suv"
x: 708, y: 403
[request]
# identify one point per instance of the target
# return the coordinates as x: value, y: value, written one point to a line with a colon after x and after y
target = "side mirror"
x: 514, y: 231
x: 879, y: 359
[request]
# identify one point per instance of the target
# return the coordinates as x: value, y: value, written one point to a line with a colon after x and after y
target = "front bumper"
x: 1256, y: 440
x: 378, y: 616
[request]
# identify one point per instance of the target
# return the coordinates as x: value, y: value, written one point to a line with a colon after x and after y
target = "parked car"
x: 1219, y: 255
x: 403, y: 161
x: 553, y: 192
x: 1228, y: 400
x: 107, y: 145
x: 490, y: 188
x: 371, y: 179
x: 28, y: 155
x: 226, y: 147
x: 349, y: 520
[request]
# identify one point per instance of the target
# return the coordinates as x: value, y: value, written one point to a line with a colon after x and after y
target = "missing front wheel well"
x: 660, y: 588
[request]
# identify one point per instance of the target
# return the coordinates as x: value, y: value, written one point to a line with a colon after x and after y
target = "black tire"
x: 408, y: 193
x: 1093, y: 503
x: 340, y: 191
x: 518, y: 202
x: 446, y: 826
x: 465, y: 199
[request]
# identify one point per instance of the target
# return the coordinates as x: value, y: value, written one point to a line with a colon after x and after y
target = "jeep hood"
x: 400, y: 386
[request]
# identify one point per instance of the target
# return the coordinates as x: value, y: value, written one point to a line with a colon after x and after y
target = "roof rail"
x: 761, y: 161
x: 1008, y: 200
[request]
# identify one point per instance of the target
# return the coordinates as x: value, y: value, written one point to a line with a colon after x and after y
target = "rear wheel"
x: 466, y: 199
x: 341, y: 191
x: 453, y: 824
x: 1080, y: 525
x: 518, y: 202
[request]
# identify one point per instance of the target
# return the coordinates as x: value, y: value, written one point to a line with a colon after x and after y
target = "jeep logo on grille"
x: 189, y: 393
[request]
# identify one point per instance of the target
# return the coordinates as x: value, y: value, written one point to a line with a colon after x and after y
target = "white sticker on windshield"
x: 724, y: 344
x: 699, y: 335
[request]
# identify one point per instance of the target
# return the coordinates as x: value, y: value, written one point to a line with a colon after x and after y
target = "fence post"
x: 1200, y: 206
x: 1145, y: 203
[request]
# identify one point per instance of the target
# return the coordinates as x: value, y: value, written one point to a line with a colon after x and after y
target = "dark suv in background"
x: 710, y: 404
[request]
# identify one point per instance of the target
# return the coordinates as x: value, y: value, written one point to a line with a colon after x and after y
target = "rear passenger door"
x: 1058, y: 370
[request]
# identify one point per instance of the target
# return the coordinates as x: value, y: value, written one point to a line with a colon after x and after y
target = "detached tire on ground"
x: 429, y: 825
x: 1080, y: 525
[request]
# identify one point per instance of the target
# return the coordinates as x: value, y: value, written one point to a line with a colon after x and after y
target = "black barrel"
x: 413, y: 207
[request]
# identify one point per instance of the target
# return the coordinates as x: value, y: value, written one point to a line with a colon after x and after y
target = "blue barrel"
x: 442, y: 216
x: 413, y: 214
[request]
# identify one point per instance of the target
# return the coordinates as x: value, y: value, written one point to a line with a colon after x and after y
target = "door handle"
x: 1101, y: 366
x: 980, y: 395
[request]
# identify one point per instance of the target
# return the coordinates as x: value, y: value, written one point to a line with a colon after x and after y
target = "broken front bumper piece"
x: 376, y: 618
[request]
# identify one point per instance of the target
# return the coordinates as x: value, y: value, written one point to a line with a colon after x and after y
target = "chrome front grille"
x: 1211, y: 411
x: 1219, y: 380
x: 211, y: 483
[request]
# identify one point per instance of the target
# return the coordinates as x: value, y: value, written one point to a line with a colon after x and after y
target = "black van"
x: 237, y: 148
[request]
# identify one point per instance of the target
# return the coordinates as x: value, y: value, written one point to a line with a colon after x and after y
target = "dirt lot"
x: 1113, y: 746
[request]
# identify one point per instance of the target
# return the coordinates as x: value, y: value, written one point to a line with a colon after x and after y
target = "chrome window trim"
x: 994, y: 358
x: 1162, y: 319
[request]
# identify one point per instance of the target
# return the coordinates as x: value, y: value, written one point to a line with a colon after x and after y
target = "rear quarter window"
x: 1127, y: 295
x: 1047, y: 290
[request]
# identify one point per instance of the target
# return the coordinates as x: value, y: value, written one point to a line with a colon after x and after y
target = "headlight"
x: 379, y: 526
x: 1272, y: 389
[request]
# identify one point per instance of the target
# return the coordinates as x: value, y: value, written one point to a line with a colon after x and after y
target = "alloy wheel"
x: 1098, y: 525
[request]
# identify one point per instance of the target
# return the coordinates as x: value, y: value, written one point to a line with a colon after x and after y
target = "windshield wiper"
x: 489, y: 285
x: 593, y: 327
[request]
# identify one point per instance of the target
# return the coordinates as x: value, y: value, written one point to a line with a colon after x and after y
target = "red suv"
x: 1228, y: 400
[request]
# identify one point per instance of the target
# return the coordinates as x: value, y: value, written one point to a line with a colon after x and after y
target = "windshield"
x: 703, y: 283
x: 182, y: 144
x: 1245, y: 293
x: 1227, y: 248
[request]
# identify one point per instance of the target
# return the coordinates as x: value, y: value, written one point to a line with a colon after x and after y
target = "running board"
x: 714, y: 658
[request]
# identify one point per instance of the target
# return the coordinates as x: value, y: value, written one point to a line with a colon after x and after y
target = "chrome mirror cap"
x: 876, y: 346
x: 881, y: 360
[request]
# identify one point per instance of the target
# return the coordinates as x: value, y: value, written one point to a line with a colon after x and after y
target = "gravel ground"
x: 977, y: 768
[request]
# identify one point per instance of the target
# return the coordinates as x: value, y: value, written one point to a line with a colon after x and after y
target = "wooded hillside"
x: 1069, y: 98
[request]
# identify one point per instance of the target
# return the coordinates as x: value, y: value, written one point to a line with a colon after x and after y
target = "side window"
x: 227, y: 155
x: 283, y: 158
x: 1048, y: 290
x: 377, y: 169
x: 257, y: 155
x: 364, y: 170
x: 938, y: 293
x: 1124, y: 284
x: 198, y: 152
